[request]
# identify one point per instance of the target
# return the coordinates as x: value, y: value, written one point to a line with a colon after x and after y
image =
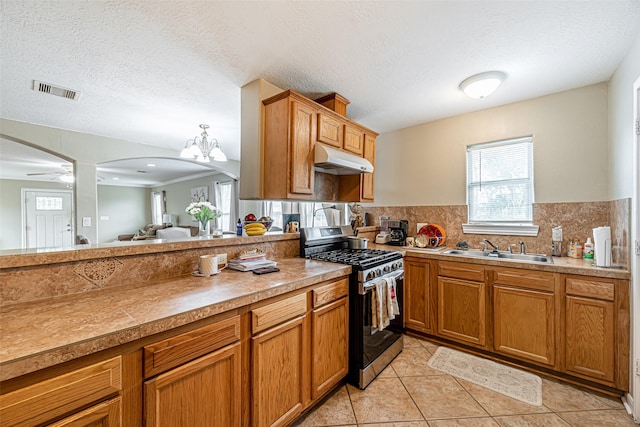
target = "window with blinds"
x: 500, y: 181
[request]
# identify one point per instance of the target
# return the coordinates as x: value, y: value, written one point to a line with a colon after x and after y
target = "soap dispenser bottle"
x: 587, y: 252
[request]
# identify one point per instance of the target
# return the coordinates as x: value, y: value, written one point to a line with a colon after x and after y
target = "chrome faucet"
x: 486, y: 242
x: 513, y: 245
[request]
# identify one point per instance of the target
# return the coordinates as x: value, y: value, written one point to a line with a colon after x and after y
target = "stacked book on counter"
x: 251, y: 261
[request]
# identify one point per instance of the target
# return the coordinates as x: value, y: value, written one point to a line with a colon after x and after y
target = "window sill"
x: 501, y: 229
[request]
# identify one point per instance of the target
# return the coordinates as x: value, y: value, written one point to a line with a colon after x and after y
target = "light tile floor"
x: 409, y: 393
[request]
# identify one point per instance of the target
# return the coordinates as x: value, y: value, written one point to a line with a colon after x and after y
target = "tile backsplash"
x: 576, y: 218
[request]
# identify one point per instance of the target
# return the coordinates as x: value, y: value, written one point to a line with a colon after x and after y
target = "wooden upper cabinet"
x: 303, y: 130
x: 368, y: 179
x: 354, y: 140
x: 330, y: 130
x: 360, y: 188
x: 290, y: 128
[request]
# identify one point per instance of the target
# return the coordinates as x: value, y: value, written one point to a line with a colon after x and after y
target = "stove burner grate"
x: 355, y: 257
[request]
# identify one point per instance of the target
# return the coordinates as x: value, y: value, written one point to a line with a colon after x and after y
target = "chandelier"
x: 203, y: 150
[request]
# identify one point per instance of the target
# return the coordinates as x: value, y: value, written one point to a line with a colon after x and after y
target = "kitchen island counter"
x: 47, y: 332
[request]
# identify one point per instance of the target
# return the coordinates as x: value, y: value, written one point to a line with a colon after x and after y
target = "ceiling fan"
x: 65, y: 175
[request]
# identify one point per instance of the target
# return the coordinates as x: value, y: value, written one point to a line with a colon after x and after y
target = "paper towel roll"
x: 602, y: 246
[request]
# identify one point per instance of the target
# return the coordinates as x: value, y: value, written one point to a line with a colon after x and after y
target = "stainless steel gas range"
x: 371, y: 347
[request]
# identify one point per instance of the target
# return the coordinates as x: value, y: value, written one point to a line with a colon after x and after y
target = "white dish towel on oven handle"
x: 384, y: 304
x: 392, y: 298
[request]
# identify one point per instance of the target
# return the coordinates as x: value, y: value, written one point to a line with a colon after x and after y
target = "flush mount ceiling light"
x: 482, y: 85
x: 203, y: 150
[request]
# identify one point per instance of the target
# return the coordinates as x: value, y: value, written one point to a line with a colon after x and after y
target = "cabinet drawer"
x: 103, y: 414
x: 530, y: 279
x: 460, y: 270
x: 57, y: 396
x: 175, y: 351
x: 270, y: 315
x: 590, y: 288
x: 331, y: 292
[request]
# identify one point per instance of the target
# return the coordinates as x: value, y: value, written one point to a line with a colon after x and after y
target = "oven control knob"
x: 387, y: 268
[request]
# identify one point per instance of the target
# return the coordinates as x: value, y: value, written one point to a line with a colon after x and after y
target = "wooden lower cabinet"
x: 589, y: 340
x: 417, y: 295
x: 279, y: 373
x: 204, y: 392
x: 105, y: 414
x: 575, y: 325
x: 590, y: 329
x: 462, y: 310
x: 57, y: 397
x: 524, y: 324
x: 329, y: 346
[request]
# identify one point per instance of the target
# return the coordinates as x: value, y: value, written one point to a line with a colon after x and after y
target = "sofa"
x: 149, y: 231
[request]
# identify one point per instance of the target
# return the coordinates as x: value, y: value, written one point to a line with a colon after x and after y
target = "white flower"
x: 203, y: 211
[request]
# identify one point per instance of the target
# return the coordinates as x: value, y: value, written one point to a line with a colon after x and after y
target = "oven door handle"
x: 364, y: 287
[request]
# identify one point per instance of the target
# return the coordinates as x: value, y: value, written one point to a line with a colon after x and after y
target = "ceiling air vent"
x: 56, y: 90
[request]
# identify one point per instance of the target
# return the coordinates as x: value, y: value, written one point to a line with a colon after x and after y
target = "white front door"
x: 47, y: 218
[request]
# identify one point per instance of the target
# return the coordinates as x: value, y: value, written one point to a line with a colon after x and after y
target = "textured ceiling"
x: 151, y: 71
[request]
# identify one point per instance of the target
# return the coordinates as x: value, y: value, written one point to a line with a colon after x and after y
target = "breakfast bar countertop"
x: 43, y: 333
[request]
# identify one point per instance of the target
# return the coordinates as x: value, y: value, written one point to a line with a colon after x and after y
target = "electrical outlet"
x: 86, y: 221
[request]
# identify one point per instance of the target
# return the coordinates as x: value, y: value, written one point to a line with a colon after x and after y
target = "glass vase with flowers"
x: 204, y: 212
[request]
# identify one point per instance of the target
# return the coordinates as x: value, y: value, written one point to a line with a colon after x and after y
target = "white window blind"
x: 500, y: 181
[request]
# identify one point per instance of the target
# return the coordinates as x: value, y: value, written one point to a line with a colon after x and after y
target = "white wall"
x: 621, y: 130
x: 128, y: 209
x: 179, y: 196
x: 425, y: 164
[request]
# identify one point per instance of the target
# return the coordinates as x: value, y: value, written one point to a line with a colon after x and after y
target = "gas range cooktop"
x: 362, y: 258
x: 330, y: 244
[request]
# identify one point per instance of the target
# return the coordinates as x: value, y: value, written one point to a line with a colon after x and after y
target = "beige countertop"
x: 44, y: 333
x: 14, y: 258
x: 39, y: 334
x: 560, y: 264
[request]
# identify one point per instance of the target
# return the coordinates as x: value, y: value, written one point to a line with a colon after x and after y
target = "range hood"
x: 336, y: 162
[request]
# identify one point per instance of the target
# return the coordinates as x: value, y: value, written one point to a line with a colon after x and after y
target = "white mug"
x: 209, y: 264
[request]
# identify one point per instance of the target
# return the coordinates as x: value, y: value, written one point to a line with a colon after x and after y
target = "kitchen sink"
x: 500, y: 255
